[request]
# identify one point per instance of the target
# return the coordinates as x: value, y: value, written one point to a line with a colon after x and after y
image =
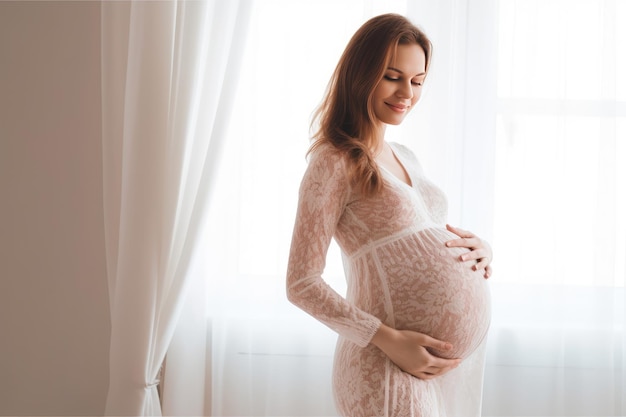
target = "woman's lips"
x: 400, y: 108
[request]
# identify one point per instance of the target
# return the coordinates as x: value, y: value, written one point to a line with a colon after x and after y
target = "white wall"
x: 54, y: 313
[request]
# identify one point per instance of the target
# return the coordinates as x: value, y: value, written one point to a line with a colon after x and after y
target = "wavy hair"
x: 345, y: 118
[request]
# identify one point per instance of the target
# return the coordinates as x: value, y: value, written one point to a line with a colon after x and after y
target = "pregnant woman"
x: 412, y: 326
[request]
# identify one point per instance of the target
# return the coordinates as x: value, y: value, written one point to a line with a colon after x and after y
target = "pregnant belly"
x: 433, y: 292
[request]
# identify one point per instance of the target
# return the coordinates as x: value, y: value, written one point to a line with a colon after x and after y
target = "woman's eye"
x: 416, y: 82
x: 387, y: 77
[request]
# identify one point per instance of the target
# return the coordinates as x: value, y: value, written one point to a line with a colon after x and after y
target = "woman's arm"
x: 324, y: 194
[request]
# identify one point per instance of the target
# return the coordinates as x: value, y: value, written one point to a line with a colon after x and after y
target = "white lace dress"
x: 399, y: 272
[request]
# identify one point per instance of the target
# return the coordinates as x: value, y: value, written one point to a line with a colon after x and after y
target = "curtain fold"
x: 162, y: 62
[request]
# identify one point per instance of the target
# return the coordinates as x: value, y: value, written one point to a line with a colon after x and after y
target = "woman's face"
x: 401, y: 85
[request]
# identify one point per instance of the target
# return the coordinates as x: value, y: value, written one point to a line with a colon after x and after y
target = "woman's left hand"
x: 480, y: 251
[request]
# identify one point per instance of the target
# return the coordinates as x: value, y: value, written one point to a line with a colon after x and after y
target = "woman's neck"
x: 378, y: 139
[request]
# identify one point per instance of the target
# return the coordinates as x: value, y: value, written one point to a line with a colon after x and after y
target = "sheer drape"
x: 557, y: 343
x: 550, y: 202
x: 161, y: 63
x: 263, y: 356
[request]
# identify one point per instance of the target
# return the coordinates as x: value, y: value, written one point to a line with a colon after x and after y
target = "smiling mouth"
x: 400, y: 108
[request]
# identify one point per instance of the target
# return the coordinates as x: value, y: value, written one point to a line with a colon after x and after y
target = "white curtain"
x: 161, y: 63
x: 538, y: 172
x: 558, y: 339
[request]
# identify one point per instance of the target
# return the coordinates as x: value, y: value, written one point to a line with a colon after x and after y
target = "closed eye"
x: 390, y: 78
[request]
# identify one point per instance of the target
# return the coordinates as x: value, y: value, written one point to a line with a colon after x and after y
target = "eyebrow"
x: 400, y: 72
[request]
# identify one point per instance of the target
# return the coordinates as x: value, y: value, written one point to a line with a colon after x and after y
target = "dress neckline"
x: 402, y: 165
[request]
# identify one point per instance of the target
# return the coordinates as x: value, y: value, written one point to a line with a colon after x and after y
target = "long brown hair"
x: 345, y: 117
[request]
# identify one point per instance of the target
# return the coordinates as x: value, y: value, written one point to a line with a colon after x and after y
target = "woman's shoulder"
x: 324, y: 149
x: 326, y: 172
x: 326, y: 155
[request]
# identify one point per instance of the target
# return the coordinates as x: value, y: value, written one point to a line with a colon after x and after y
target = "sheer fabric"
x: 560, y: 198
x: 156, y: 174
x: 399, y: 271
x: 541, y: 176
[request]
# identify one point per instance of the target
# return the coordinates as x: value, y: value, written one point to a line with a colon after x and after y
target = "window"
x: 560, y: 180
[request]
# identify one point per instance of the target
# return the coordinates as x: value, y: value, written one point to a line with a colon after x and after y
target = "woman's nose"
x: 405, y: 90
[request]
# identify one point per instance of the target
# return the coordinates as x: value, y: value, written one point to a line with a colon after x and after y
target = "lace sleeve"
x: 324, y: 193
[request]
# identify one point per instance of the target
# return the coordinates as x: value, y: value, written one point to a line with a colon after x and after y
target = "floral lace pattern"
x: 398, y: 272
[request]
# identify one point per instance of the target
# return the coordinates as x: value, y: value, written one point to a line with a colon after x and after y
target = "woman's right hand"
x: 407, y: 349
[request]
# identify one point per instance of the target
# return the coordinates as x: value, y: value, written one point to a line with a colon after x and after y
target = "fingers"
x: 459, y: 232
x: 428, y: 341
x: 488, y: 271
x: 469, y: 242
x: 480, y: 257
x: 438, y: 370
x: 468, y: 239
x: 442, y: 363
x: 481, y: 263
x: 410, y: 352
x: 480, y: 251
x: 475, y: 255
